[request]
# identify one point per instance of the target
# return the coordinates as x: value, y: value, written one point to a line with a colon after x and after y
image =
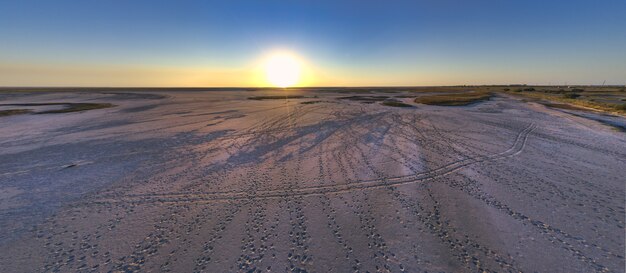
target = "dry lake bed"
x: 305, y: 181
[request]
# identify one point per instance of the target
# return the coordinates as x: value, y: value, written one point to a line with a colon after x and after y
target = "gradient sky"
x: 344, y: 43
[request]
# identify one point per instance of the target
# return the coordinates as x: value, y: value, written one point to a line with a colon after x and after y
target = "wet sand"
x: 216, y: 182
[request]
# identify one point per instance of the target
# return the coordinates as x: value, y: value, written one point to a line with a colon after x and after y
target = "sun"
x: 282, y: 69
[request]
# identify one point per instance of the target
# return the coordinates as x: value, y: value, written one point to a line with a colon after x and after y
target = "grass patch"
x: 275, y: 97
x: 78, y: 107
x: 69, y: 107
x: 13, y: 112
x: 621, y: 107
x: 571, y: 95
x: 579, y: 103
x: 458, y: 99
x: 367, y: 99
x: 311, y: 102
x: 393, y: 103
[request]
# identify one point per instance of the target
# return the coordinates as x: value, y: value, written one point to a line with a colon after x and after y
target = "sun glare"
x: 283, y: 70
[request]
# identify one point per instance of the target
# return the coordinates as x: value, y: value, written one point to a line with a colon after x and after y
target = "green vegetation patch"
x: 458, y: 99
x: 311, y: 102
x: 68, y: 107
x: 276, y: 97
x: 13, y: 112
x: 365, y: 99
x: 78, y: 107
x: 571, y: 95
x: 394, y: 103
x: 607, y: 100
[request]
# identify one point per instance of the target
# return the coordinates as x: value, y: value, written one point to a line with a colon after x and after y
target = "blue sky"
x: 210, y: 43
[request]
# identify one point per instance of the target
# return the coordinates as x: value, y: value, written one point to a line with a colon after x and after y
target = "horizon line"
x: 312, y: 87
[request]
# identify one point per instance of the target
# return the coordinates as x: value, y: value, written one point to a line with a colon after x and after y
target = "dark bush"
x: 529, y: 89
x: 571, y: 95
x: 394, y: 103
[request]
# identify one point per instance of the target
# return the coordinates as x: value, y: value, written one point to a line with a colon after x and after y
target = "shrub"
x: 13, y: 112
x: 395, y: 103
x: 456, y: 99
x: 571, y: 95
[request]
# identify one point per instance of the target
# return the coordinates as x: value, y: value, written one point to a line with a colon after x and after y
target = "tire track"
x: 515, y: 149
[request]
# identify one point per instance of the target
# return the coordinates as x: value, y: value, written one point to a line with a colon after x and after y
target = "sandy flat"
x: 216, y: 182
